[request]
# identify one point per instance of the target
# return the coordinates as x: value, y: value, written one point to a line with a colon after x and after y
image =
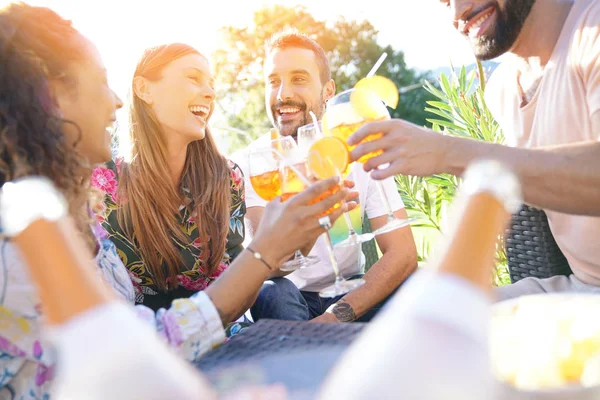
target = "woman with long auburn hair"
x: 171, y: 178
x: 174, y: 205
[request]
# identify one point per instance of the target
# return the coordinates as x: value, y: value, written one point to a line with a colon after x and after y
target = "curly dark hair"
x: 37, y: 45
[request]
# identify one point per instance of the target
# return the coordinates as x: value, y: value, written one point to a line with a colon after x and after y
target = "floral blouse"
x: 191, y: 326
x: 192, y: 278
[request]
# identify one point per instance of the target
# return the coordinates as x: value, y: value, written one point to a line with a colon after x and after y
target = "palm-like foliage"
x: 459, y: 110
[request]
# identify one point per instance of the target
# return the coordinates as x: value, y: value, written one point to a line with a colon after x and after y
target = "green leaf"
x: 434, y: 91
x: 467, y: 114
x: 440, y: 180
x: 462, y: 78
x: 445, y: 84
x: 471, y: 81
x: 439, y: 104
x: 485, y: 130
x: 439, y: 204
x: 442, y: 114
x: 426, y: 199
x: 446, y: 124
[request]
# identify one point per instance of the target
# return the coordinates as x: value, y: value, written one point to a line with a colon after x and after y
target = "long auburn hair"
x: 149, y: 213
x: 36, y: 46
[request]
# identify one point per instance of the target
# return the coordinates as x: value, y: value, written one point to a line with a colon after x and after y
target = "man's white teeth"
x: 288, y: 110
x: 480, y: 21
x: 203, y: 110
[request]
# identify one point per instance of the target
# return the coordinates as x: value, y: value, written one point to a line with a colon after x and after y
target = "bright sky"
x: 123, y: 28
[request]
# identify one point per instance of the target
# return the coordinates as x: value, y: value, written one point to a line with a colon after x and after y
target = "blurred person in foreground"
x: 429, y: 343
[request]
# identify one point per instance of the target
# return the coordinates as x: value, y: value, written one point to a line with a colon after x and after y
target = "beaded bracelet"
x: 259, y: 256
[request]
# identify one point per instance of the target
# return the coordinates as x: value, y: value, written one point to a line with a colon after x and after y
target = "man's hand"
x: 413, y: 150
x: 341, y: 311
x: 407, y: 148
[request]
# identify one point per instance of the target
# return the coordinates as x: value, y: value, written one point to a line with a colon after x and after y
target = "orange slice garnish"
x: 275, y: 144
x: 274, y: 134
x: 328, y: 157
x: 367, y: 104
x: 383, y: 87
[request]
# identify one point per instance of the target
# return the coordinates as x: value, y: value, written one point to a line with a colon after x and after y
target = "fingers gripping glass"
x: 265, y: 178
x: 307, y: 135
x: 346, y: 113
x: 294, y: 173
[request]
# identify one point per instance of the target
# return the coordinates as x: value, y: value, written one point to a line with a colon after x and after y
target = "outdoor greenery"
x: 459, y: 110
x: 351, y: 46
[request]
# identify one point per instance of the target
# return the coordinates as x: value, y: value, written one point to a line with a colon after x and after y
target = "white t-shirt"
x: 351, y: 259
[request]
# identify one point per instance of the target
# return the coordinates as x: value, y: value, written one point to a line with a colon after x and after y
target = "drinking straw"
x: 373, y: 70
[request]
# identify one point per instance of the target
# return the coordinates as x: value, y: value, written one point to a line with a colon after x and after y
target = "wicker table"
x: 296, y: 354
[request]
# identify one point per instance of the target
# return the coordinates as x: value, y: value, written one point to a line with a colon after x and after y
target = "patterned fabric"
x: 192, y: 326
x: 194, y: 252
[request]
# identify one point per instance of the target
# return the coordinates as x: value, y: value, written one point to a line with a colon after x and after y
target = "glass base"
x: 354, y: 240
x: 393, y: 224
x: 341, y: 287
x: 298, y: 263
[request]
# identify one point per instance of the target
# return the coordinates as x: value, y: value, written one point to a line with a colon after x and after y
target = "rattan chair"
x: 530, y: 247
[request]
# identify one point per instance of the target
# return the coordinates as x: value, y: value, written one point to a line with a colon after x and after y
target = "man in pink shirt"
x: 546, y: 97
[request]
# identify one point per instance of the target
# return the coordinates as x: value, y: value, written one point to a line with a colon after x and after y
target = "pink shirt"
x: 560, y: 113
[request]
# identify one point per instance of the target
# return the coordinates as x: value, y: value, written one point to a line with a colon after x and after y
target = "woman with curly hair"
x: 55, y: 107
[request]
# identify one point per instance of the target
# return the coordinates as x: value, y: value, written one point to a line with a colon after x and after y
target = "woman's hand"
x: 294, y: 224
x: 352, y: 195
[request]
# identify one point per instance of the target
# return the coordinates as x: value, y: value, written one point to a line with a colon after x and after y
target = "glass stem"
x: 351, y: 230
x: 334, y: 264
x: 299, y: 256
x: 359, y: 259
x: 386, y: 202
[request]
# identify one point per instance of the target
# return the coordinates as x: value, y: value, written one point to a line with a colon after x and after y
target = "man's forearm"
x: 562, y: 178
x: 381, y: 280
